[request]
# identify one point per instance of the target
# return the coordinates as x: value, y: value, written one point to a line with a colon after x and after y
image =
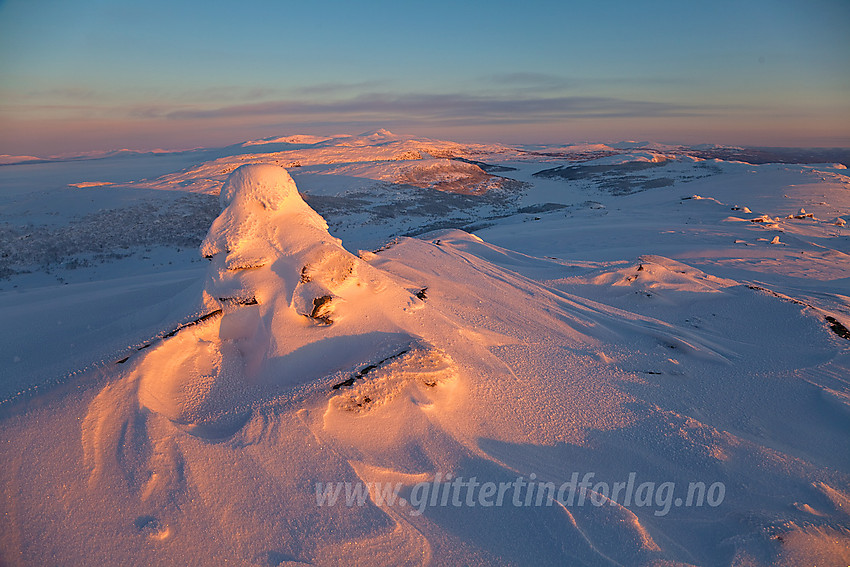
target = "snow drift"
x: 278, y: 285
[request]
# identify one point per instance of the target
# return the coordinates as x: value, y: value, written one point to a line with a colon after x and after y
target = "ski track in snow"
x: 530, y: 312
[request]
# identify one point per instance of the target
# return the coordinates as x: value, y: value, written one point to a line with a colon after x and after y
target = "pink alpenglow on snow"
x: 627, y: 354
x: 278, y: 284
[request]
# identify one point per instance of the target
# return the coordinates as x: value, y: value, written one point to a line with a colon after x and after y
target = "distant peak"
x: 379, y: 133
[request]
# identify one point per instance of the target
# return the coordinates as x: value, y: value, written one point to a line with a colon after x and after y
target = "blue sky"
x: 79, y: 75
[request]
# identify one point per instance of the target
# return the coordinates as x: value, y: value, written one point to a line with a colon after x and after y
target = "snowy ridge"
x: 648, y: 316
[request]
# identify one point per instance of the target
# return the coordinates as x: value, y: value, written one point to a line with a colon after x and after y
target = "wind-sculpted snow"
x: 685, y: 334
x: 280, y: 286
x: 236, y: 376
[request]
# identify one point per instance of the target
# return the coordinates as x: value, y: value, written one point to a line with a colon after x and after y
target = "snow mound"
x: 279, y: 290
x: 657, y: 273
x: 257, y: 199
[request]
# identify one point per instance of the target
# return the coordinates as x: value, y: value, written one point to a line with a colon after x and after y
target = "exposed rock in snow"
x: 642, y: 335
x: 282, y: 284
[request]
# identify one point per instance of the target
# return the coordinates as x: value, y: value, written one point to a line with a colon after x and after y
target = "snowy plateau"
x: 392, y: 350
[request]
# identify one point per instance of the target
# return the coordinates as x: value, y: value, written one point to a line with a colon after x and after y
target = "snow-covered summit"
x: 257, y: 200
x: 378, y: 134
x: 277, y: 283
x: 677, y: 322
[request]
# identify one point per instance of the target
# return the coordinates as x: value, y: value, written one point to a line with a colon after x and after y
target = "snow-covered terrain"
x: 390, y: 350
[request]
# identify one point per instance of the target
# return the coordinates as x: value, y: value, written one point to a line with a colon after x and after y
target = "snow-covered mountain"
x: 389, y: 350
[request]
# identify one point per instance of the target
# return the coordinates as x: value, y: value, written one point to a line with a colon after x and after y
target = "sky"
x: 85, y: 75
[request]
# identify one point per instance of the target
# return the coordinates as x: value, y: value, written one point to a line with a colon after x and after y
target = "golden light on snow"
x: 579, y: 354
